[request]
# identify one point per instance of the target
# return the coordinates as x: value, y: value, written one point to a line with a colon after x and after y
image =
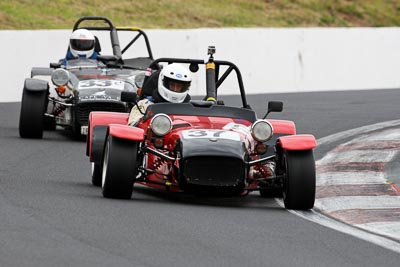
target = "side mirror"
x: 129, y: 97
x: 274, y: 106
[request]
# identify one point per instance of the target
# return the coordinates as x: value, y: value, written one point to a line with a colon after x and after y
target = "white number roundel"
x: 90, y: 84
x: 209, y: 134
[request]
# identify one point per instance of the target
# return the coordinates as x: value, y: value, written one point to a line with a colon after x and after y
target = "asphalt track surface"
x: 51, y: 215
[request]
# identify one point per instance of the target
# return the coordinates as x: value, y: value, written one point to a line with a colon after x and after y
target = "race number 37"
x: 216, y: 134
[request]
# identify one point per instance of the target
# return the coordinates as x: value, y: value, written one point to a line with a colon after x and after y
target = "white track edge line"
x: 326, y: 221
x: 319, y: 218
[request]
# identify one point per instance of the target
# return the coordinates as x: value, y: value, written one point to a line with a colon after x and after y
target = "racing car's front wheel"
x: 31, y: 120
x: 119, y: 168
x: 96, y: 174
x: 299, y: 179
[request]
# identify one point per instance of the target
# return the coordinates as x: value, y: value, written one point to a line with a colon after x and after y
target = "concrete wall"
x: 271, y: 60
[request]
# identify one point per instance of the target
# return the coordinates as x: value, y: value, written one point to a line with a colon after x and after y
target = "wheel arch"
x: 297, y: 142
x: 35, y: 85
x: 102, y: 118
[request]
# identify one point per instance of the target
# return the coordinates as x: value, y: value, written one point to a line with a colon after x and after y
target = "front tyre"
x: 119, y: 168
x: 97, y: 171
x: 299, y: 179
x: 31, y: 120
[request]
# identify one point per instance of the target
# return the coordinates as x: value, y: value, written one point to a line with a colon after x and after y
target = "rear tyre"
x: 96, y: 173
x: 31, y: 120
x: 119, y: 168
x: 299, y: 179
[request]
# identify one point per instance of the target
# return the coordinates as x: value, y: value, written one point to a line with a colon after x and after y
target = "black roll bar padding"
x: 115, y: 43
x: 210, y: 83
x: 141, y: 33
x: 216, y: 77
x: 155, y: 66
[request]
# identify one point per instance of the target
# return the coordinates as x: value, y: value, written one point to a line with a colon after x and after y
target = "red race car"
x: 202, y: 147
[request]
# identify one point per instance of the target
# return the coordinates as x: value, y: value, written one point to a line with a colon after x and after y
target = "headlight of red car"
x: 161, y: 124
x: 261, y: 130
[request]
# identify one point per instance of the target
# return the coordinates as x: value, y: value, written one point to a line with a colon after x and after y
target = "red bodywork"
x: 209, y: 148
x: 298, y: 142
x: 161, y: 168
x: 283, y: 127
x: 126, y: 132
x: 103, y: 118
x: 181, y: 123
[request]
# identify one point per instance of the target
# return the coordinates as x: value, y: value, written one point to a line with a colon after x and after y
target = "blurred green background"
x: 186, y: 14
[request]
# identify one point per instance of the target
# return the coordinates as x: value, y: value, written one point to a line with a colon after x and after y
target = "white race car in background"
x: 65, y: 95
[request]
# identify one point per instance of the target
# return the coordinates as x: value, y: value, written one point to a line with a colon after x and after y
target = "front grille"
x: 83, y: 109
x: 213, y: 171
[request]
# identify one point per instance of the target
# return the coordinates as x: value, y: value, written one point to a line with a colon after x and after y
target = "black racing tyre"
x: 31, y: 120
x: 119, y: 168
x: 97, y: 170
x: 299, y: 179
x: 76, y: 132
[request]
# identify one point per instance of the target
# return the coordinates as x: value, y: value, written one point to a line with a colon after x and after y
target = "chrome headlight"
x: 161, y: 124
x: 60, y: 77
x: 261, y: 130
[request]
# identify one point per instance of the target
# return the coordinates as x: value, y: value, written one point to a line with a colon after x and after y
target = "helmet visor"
x: 82, y: 45
x: 176, y: 85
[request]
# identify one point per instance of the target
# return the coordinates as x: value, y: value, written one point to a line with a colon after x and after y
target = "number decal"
x: 197, y: 133
x: 217, y: 134
x: 95, y: 83
x: 89, y: 84
x: 211, y: 134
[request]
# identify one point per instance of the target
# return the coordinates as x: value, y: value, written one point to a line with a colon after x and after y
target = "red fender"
x: 106, y: 118
x: 103, y: 118
x: 126, y: 132
x: 283, y: 127
x: 297, y: 142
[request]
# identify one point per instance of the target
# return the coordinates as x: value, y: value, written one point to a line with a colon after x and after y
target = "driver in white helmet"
x: 173, y: 86
x: 81, y: 45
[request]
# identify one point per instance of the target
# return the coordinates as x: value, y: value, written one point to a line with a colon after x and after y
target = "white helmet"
x: 174, y: 83
x: 81, y: 43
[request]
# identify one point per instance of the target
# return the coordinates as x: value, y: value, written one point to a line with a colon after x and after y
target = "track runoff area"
x: 357, y: 188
